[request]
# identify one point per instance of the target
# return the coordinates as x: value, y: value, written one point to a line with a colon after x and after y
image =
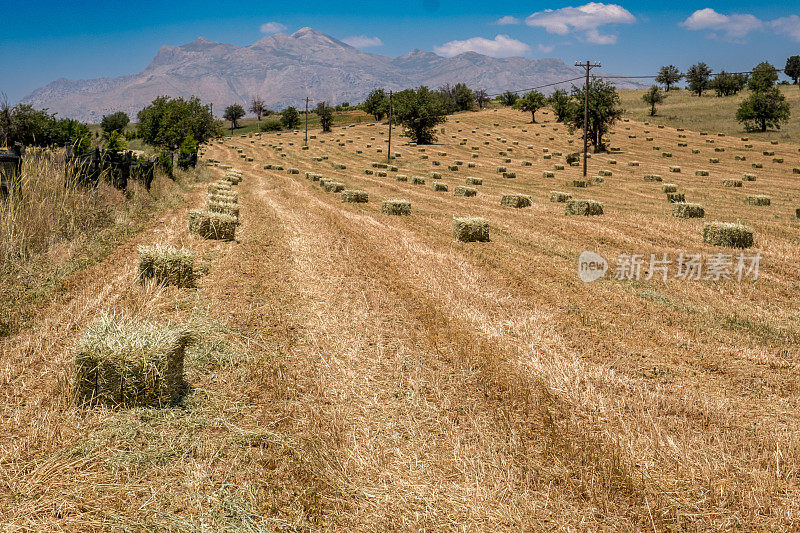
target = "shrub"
x: 583, y: 207
x: 728, y: 234
x: 122, y: 363
x: 167, y: 265
x: 471, y: 229
x: 516, y: 200
x: 687, y: 210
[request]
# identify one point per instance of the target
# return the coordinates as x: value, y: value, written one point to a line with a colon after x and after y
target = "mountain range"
x: 283, y: 70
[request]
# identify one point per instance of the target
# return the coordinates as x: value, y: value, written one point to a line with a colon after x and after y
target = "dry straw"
x: 210, y: 225
x: 583, y: 207
x: 471, y: 229
x: 396, y: 207
x: 122, y: 363
x: 516, y: 200
x: 354, y: 196
x: 167, y: 265
x: 733, y: 235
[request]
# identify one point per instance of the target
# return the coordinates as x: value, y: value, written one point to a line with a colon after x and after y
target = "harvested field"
x: 359, y: 371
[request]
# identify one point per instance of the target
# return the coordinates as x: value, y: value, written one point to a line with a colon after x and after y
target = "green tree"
x: 668, y: 75
x: 698, y: 77
x: 792, y: 68
x: 189, y: 145
x: 113, y: 141
x: 419, y: 111
x: 653, y: 97
x: 463, y: 97
x: 482, y: 98
x: 115, y: 122
x: 377, y: 104
x: 764, y: 109
x: 325, y: 113
x: 166, y: 122
x: 508, y: 98
x: 763, y: 77
x: 75, y: 134
x: 560, y: 102
x: 531, y: 102
x: 604, y: 110
x: 727, y: 84
x: 258, y: 108
x: 290, y: 118
x: 233, y: 113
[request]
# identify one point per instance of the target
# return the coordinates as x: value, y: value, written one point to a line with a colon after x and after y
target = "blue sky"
x: 50, y: 39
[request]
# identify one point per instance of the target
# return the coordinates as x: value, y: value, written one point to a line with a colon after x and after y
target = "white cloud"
x: 585, y: 19
x: 500, y: 46
x: 787, y: 26
x: 272, y: 27
x: 362, y: 41
x: 735, y: 26
x: 508, y: 19
x: 546, y: 48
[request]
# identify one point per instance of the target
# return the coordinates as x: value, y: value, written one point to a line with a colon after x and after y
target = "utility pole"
x: 588, y: 66
x: 389, y: 155
x: 306, y: 141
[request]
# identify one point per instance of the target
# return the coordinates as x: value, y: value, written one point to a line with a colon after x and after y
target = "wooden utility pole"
x: 389, y: 155
x: 306, y: 141
x: 588, y: 66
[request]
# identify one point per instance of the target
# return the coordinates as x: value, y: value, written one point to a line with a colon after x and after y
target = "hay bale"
x: 666, y: 154
x: 226, y: 208
x: 605, y: 173
x: 210, y: 225
x: 417, y: 180
x: 122, y: 363
x: 669, y: 187
x: 687, y: 210
x: 731, y: 183
x: 461, y: 190
x: 749, y: 177
x: 558, y: 167
x: 558, y: 196
x: 435, y: 175
x: 732, y: 235
x: 675, y: 197
x: 438, y: 186
x: 713, y: 160
x: 167, y: 265
x: 579, y: 183
x: 471, y: 229
x: 516, y: 200
x: 396, y: 207
x: 633, y: 163
x: 701, y: 172
x: 652, y: 177
x: 509, y: 175
x: 675, y: 170
x: 334, y: 186
x: 758, y: 199
x: 473, y: 181
x: 548, y: 174
x: 583, y: 207
x: 355, y: 196
x: 401, y: 177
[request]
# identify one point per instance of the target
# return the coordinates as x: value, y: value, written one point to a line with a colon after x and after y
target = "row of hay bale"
x: 120, y: 362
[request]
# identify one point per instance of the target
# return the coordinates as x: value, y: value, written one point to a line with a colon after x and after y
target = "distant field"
x: 684, y: 110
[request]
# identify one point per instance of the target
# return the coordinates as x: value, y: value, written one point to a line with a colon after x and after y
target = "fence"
x: 10, y: 168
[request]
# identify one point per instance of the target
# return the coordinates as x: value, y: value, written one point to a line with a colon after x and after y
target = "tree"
x: 668, y: 75
x: 762, y: 78
x: 508, y: 98
x: 792, y: 68
x: 764, y: 109
x: 652, y: 97
x: 115, y: 122
x: 290, y: 118
x: 258, y: 108
x: 698, y: 77
x: 604, y: 110
x: 560, y: 102
x: 113, y: 141
x: 463, y: 97
x: 481, y: 97
x: 419, y: 111
x: 377, y: 104
x: 726, y: 84
x: 166, y: 122
x: 233, y: 113
x: 325, y: 114
x: 531, y: 102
